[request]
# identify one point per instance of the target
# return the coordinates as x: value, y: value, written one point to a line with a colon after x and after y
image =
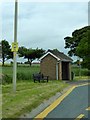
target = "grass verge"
x: 28, y: 96
x: 77, y: 78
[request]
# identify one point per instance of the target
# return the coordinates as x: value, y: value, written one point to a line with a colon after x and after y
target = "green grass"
x: 23, y: 69
x: 28, y: 96
x: 23, y: 72
x: 78, y: 78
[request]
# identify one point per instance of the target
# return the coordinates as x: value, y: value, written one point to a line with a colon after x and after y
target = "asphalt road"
x: 73, y: 105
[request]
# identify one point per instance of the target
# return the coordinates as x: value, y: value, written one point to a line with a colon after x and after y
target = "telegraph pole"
x: 15, y: 47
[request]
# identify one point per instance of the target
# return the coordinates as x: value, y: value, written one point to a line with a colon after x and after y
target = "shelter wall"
x: 48, y: 67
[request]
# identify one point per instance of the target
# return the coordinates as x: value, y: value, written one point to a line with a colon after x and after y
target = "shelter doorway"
x: 65, y: 71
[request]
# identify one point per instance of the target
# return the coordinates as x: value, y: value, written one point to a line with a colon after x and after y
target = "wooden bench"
x: 39, y: 77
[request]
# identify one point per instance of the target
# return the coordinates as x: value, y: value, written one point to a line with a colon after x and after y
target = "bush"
x: 84, y: 72
x: 24, y: 76
x: 5, y: 79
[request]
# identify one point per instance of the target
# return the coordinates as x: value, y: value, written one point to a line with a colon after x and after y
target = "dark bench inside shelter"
x: 39, y: 77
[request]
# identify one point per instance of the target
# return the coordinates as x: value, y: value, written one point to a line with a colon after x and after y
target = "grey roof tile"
x: 60, y: 55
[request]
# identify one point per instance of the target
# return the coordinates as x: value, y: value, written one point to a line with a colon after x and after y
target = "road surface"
x: 75, y: 104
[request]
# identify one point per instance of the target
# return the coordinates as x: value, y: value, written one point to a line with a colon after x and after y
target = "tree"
x: 6, y: 51
x: 21, y: 52
x: 30, y: 54
x: 39, y: 53
x: 79, y: 45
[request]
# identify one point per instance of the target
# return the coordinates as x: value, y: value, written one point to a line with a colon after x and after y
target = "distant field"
x: 24, y: 68
x: 8, y: 69
x: 25, y: 72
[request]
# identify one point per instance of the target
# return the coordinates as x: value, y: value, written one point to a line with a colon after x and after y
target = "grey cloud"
x: 44, y: 25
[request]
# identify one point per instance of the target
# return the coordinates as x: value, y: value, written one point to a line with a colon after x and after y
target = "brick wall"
x: 48, y: 67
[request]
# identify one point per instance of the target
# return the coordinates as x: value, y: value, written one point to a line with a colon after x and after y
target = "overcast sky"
x: 44, y: 25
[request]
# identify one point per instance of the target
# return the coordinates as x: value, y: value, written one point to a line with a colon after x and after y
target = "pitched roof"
x: 58, y: 55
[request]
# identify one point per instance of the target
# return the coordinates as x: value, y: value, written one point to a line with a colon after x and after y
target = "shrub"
x: 84, y: 72
x: 24, y: 76
x: 5, y: 79
x: 20, y: 76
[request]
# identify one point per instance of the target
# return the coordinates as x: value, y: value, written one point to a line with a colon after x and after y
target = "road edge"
x: 45, y: 112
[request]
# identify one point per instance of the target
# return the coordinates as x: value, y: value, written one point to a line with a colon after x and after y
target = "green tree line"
x: 28, y: 53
